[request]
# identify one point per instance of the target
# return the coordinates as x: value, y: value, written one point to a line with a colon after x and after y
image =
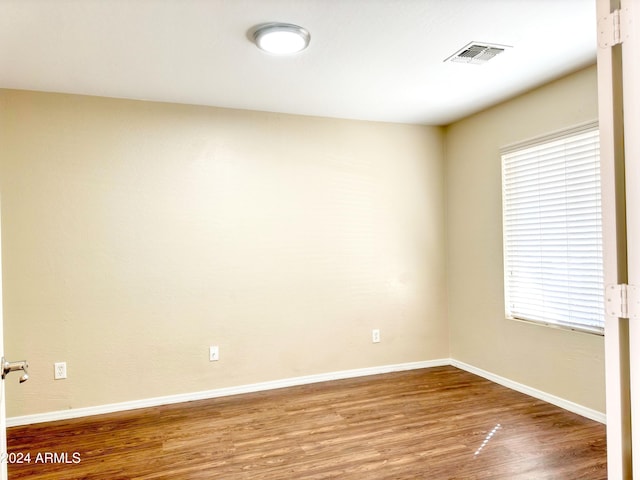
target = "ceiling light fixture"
x: 281, y: 38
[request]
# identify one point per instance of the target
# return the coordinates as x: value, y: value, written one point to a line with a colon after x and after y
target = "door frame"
x: 619, y: 109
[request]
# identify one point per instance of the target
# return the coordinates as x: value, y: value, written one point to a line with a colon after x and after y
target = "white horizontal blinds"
x: 553, y: 232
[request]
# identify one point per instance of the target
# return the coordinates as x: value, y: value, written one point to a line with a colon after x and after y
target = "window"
x: 553, y: 230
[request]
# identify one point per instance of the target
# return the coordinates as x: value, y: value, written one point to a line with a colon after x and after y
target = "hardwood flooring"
x: 438, y: 423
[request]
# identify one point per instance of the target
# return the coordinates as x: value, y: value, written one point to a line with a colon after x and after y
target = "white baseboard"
x: 304, y: 380
x: 533, y: 392
x: 219, y: 392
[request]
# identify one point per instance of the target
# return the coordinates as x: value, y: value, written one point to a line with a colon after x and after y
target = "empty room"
x: 377, y: 252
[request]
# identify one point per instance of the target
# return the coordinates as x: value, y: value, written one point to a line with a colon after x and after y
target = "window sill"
x: 540, y: 323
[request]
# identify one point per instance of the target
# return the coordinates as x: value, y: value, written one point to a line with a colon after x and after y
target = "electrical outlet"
x: 59, y: 370
x: 375, y: 335
x: 214, y: 353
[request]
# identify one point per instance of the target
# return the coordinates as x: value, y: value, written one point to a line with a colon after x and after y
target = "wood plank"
x: 437, y: 423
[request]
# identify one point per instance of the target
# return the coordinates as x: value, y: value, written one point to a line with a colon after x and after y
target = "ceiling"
x: 379, y: 60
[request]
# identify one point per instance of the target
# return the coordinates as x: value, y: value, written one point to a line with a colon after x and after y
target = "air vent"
x: 477, y: 53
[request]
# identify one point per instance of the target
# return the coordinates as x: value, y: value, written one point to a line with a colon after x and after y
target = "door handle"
x: 8, y: 367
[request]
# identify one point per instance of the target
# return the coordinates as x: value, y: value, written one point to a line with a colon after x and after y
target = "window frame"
x: 508, y: 291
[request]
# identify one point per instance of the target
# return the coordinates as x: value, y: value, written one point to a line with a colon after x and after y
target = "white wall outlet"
x: 375, y: 335
x: 214, y: 353
x: 59, y: 370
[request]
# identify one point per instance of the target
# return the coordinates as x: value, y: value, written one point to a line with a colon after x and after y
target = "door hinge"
x: 622, y: 301
x: 612, y: 29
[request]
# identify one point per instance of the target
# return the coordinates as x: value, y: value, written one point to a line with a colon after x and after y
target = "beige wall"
x: 563, y: 363
x: 137, y: 234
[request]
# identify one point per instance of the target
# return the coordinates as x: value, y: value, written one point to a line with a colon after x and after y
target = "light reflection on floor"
x: 487, y: 438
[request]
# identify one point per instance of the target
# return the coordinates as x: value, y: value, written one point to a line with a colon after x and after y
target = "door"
x: 619, y: 112
x: 3, y: 417
x: 630, y: 15
x: 6, y: 368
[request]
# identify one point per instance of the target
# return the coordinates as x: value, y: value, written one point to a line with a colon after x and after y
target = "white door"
x: 3, y: 417
x: 630, y: 15
x: 619, y: 111
x: 6, y: 368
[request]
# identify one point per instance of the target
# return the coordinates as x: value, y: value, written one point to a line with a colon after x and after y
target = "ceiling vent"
x: 477, y: 53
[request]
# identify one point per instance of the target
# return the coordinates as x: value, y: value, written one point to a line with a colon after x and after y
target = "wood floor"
x: 438, y: 423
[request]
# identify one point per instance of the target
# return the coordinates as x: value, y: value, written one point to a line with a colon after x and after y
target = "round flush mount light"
x: 281, y: 38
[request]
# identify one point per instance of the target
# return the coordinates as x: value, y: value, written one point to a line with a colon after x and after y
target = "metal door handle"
x: 8, y: 367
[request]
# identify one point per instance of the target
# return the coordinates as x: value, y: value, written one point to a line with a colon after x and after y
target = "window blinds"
x: 553, y: 232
